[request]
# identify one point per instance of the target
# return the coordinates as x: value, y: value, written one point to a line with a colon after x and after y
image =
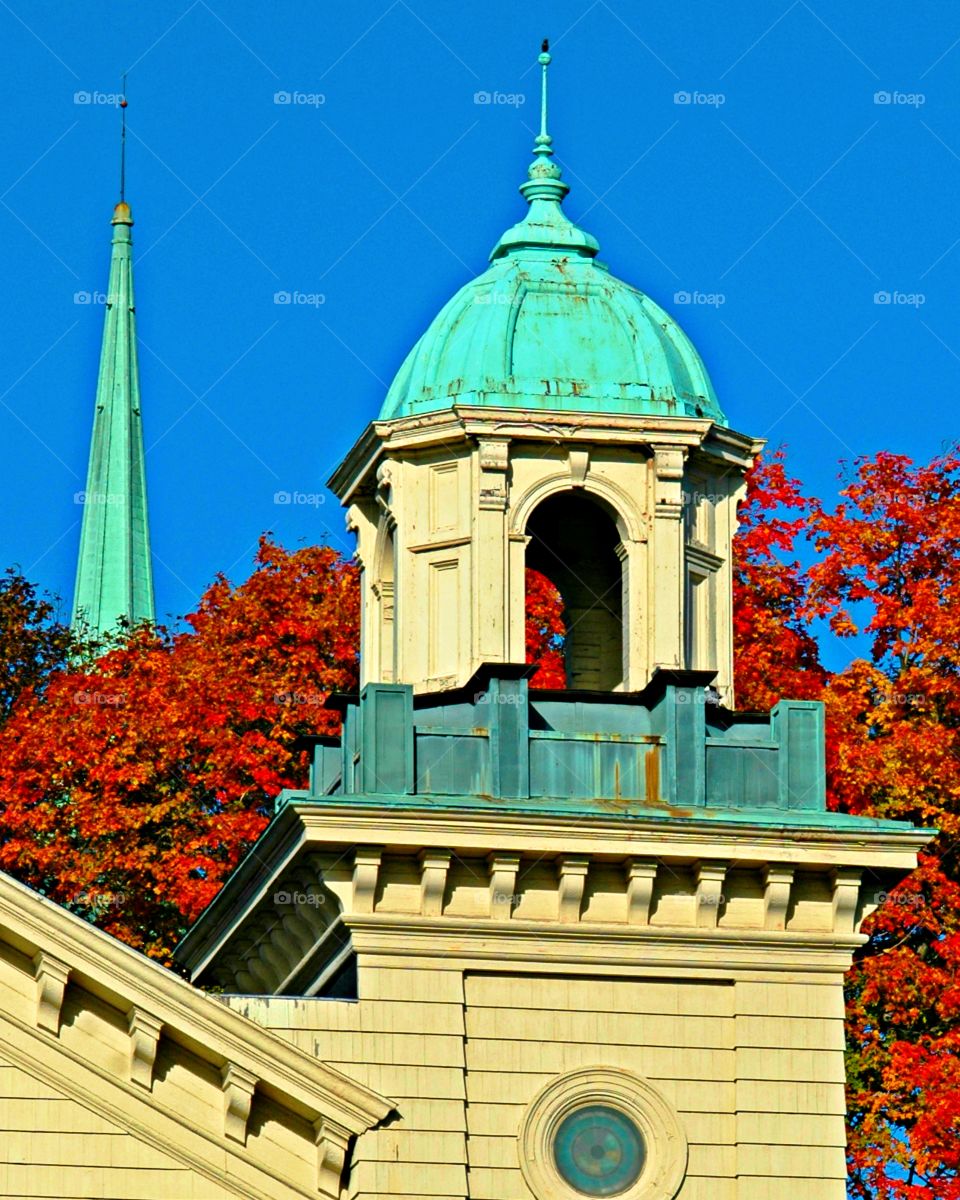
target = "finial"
x: 543, y: 141
x: 123, y: 139
x: 121, y: 212
x: 543, y: 176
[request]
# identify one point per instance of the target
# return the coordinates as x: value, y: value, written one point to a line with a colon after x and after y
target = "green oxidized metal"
x: 547, y: 326
x: 114, y: 573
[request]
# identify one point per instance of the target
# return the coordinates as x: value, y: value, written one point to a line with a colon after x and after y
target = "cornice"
x: 127, y: 979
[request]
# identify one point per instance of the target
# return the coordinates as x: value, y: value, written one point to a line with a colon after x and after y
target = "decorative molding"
x: 846, y: 897
x: 777, y: 888
x: 572, y: 874
x: 709, y: 895
x: 434, y: 865
x: 503, y: 885
x: 494, y: 460
x: 366, y: 869
x: 332, y: 1144
x: 641, y: 876
x: 144, y: 1039
x: 51, y: 975
x: 238, y: 1088
x: 665, y: 1143
x: 578, y: 462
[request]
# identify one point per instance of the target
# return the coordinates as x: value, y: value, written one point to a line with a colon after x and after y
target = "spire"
x: 546, y: 226
x: 114, y: 575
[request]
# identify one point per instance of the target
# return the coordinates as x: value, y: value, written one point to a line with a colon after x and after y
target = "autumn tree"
x: 33, y: 642
x: 131, y: 787
x: 888, y: 571
x: 885, y: 571
x: 775, y: 652
x: 545, y: 631
x: 132, y: 784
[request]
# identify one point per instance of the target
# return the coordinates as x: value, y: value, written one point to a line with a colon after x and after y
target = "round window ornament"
x: 602, y: 1131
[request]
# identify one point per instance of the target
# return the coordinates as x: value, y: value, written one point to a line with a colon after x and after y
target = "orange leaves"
x: 168, y: 742
x: 887, y: 563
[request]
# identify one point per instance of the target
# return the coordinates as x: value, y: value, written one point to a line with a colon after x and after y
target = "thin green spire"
x: 114, y: 572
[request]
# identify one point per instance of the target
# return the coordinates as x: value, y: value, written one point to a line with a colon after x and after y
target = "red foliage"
x: 131, y: 788
x: 887, y: 567
x: 545, y: 631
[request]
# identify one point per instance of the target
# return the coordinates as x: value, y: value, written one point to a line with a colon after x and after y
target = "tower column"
x: 666, y: 577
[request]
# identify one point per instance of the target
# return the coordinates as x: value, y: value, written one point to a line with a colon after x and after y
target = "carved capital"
x: 641, y: 877
x: 238, y: 1088
x: 494, y: 454
x: 494, y: 464
x: 51, y: 977
x: 366, y: 869
x: 668, y: 467
x: 144, y: 1039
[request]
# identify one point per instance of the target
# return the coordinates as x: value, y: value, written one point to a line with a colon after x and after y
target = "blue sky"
x: 763, y: 170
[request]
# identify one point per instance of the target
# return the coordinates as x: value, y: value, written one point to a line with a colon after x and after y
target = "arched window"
x: 574, y: 542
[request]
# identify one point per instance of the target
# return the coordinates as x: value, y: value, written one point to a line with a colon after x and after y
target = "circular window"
x: 602, y: 1131
x: 598, y: 1150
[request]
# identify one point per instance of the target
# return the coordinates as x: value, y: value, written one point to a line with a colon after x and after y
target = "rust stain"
x: 652, y: 771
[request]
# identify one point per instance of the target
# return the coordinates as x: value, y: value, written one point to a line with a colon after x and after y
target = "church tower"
x: 552, y: 416
x: 114, y: 571
x: 588, y: 941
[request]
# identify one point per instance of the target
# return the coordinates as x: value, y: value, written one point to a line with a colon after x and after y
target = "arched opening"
x: 574, y: 542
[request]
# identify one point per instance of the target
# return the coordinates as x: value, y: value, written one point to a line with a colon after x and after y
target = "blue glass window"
x: 599, y: 1151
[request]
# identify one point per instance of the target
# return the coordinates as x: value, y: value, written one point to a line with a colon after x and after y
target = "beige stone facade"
x: 442, y: 507
x: 704, y: 966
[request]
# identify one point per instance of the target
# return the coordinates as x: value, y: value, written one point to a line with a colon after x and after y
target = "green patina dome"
x: 547, y: 326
